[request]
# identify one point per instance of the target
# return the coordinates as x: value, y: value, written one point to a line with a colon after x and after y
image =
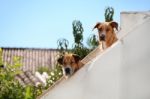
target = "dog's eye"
x: 72, y: 62
x: 107, y: 29
x: 100, y: 29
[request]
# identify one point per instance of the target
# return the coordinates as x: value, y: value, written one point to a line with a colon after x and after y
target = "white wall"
x: 130, y: 21
x: 97, y: 80
x: 121, y: 72
x: 135, y: 68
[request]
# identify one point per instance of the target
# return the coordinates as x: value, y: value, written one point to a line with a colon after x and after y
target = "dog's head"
x: 69, y: 63
x: 105, y: 29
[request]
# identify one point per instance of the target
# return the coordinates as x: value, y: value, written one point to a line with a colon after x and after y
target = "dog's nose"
x: 102, y: 37
x: 67, y: 71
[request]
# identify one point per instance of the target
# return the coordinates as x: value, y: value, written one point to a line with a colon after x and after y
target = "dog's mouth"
x: 68, y: 70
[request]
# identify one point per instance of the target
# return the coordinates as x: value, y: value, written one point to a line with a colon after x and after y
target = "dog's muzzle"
x: 68, y: 70
x: 102, y: 37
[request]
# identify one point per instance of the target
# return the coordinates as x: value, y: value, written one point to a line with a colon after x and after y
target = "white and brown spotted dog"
x: 107, y: 35
x: 70, y: 63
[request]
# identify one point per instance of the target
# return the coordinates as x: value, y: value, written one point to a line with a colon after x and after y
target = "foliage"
x: 62, y: 45
x: 11, y: 88
x: 31, y: 92
x: 93, y: 41
x: 54, y: 75
x: 1, y: 62
x: 77, y: 31
x: 80, y: 50
x: 78, y: 47
x: 43, y: 69
x: 109, y: 12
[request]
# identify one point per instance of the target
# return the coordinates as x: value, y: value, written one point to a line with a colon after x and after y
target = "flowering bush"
x: 54, y: 76
x: 11, y: 88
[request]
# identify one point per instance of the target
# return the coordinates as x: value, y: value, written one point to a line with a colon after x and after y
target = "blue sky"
x: 40, y: 23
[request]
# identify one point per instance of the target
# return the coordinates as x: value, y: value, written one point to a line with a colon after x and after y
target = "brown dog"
x: 107, y: 33
x: 70, y: 62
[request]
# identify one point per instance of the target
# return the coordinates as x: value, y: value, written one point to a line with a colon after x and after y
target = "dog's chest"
x: 102, y: 45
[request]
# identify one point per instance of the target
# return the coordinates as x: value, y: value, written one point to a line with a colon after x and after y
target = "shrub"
x: 54, y: 75
x: 11, y: 88
x: 43, y: 69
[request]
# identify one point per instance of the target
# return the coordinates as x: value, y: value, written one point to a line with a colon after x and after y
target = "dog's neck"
x: 110, y: 39
x: 102, y: 45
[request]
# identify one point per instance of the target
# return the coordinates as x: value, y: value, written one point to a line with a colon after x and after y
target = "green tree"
x: 93, y: 41
x: 78, y: 47
x: 109, y: 13
x: 62, y: 45
x: 77, y: 31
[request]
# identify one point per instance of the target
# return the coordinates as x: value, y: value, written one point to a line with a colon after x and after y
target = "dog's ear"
x: 114, y: 25
x: 96, y: 26
x: 76, y: 57
x: 60, y: 60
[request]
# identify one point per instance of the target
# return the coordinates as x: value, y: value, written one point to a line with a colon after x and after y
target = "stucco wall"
x: 99, y: 79
x: 130, y: 20
x: 135, y: 63
x: 121, y: 72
